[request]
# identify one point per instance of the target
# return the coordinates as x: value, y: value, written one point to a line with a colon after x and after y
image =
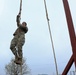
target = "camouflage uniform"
x: 18, y: 40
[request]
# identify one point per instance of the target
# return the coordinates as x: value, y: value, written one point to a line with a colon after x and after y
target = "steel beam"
x: 72, y: 36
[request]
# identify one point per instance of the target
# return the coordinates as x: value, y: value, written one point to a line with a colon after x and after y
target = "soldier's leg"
x: 20, y: 44
x: 13, y: 45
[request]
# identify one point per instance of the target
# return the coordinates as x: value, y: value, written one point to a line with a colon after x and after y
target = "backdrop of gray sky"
x: 37, y: 49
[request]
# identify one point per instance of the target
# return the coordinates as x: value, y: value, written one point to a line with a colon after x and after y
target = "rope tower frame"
x: 72, y: 37
x: 71, y: 34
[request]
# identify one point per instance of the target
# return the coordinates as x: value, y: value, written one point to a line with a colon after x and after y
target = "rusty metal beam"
x: 72, y: 36
x: 68, y: 66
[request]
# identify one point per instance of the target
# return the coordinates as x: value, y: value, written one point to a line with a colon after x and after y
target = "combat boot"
x: 18, y: 61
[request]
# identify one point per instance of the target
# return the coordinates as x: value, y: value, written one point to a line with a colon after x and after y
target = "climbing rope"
x: 20, y: 8
x: 51, y: 36
x: 20, y: 18
x: 21, y: 69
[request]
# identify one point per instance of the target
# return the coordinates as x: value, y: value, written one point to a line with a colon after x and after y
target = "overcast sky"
x: 37, y: 49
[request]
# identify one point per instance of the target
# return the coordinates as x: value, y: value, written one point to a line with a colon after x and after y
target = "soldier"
x: 18, y: 40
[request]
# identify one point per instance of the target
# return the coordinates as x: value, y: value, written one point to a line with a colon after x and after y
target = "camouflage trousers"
x: 17, y: 43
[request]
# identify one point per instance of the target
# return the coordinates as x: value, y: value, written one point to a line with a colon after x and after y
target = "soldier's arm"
x: 18, y: 20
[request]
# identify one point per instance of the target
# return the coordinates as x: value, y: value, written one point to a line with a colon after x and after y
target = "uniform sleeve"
x: 18, y: 20
x: 17, y: 30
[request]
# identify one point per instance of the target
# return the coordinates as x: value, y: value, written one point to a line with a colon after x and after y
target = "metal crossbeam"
x: 72, y: 37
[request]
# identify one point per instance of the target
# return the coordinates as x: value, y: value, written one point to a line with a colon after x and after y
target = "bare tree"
x: 14, y: 69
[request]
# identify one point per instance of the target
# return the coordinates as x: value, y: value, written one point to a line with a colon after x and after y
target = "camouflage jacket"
x: 20, y: 29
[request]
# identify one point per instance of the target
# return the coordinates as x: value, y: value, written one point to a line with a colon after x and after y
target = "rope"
x: 51, y: 37
x: 20, y: 8
x: 20, y: 18
x: 21, y: 69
